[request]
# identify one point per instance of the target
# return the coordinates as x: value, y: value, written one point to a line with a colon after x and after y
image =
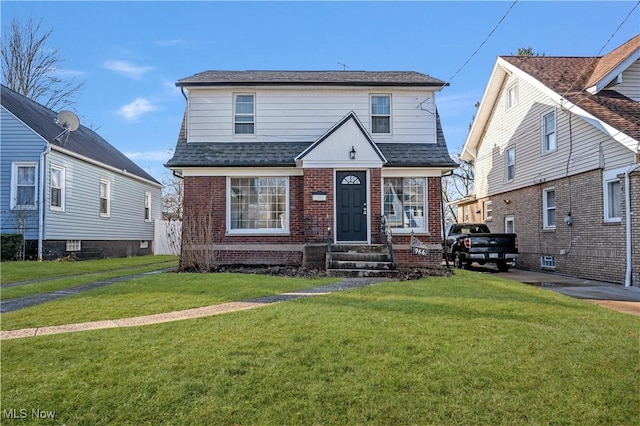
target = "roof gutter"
x: 41, y: 209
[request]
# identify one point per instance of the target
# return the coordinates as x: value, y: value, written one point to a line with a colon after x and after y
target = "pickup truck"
x: 465, y: 243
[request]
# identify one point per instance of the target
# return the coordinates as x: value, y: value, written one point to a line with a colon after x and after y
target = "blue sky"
x: 130, y: 54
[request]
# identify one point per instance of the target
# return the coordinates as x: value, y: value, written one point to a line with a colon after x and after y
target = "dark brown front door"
x: 351, y: 206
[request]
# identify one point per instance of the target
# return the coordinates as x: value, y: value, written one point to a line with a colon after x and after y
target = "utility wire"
x: 481, y: 44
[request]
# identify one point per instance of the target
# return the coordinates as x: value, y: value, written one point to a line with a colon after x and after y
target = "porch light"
x: 352, y: 153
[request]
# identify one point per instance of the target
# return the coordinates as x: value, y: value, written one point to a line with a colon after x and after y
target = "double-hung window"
x: 258, y: 204
x: 405, y: 203
x: 512, y: 96
x: 488, y: 210
x: 381, y: 114
x: 147, y: 206
x: 244, y: 114
x: 549, y: 132
x: 612, y: 198
x: 549, y: 208
x: 57, y: 188
x: 23, y: 185
x: 510, y: 164
x: 105, y: 198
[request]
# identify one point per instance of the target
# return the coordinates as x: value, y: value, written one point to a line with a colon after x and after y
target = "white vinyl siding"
x: 304, y: 115
x: 24, y: 177
x: 630, y: 86
x: 549, y: 208
x: 57, y: 188
x: 105, y: 198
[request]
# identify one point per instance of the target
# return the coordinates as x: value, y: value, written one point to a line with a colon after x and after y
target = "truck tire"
x: 503, y: 266
x: 457, y: 260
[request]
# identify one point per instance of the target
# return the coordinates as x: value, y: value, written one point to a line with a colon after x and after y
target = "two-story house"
x: 67, y: 190
x: 555, y: 145
x: 277, y: 163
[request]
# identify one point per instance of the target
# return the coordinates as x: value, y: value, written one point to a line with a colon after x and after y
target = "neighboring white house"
x: 277, y: 160
x: 71, y: 192
x: 555, y: 144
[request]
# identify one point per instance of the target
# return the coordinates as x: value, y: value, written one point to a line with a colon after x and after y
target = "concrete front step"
x: 361, y: 273
x: 361, y: 264
x: 355, y: 257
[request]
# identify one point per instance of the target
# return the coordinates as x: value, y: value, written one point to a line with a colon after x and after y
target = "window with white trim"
x: 381, y: 114
x: 488, y: 210
x: 57, y: 188
x: 549, y: 132
x: 147, y: 206
x: 549, y: 208
x: 73, y: 245
x: 509, y: 224
x: 512, y: 96
x: 258, y: 204
x: 105, y: 198
x: 510, y: 164
x: 244, y: 114
x: 612, y: 197
x: 547, y: 262
x: 23, y: 185
x: 405, y: 203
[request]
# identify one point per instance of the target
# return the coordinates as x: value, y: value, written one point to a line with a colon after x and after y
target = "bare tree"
x: 456, y: 185
x: 31, y: 68
x: 172, y: 197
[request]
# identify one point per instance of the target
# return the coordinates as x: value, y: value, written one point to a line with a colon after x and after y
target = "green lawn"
x: 473, y: 349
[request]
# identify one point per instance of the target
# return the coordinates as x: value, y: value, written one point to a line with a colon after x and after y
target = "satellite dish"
x: 68, y: 120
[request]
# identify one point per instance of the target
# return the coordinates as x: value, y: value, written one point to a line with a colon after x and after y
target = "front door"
x: 351, y: 206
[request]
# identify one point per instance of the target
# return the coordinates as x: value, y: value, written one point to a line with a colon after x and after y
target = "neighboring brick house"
x: 275, y: 163
x: 555, y: 145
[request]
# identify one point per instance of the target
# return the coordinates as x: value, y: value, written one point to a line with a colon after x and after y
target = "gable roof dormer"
x: 610, y: 67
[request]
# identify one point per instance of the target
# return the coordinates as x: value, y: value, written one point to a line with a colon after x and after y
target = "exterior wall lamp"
x: 352, y: 153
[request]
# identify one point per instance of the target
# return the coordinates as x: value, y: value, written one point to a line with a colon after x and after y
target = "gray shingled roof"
x: 283, y: 154
x: 340, y: 78
x: 83, y: 141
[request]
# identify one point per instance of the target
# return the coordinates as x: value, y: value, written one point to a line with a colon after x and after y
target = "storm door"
x: 351, y: 206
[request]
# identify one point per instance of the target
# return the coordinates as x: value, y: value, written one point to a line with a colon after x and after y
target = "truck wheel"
x: 503, y: 266
x: 457, y: 260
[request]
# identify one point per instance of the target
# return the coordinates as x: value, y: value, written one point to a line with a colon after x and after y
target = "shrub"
x: 10, y: 246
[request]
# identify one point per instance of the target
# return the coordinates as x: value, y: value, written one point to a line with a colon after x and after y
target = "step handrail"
x: 385, y: 232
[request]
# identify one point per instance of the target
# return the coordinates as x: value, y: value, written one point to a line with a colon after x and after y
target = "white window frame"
x: 107, y: 184
x: 73, y: 245
x: 546, y: 133
x: 546, y: 208
x: 488, y: 210
x: 62, y: 188
x: 147, y: 207
x: 425, y: 206
x: 512, y: 96
x: 237, y: 114
x: 609, y: 177
x: 259, y: 231
x: 512, y: 220
x: 548, y: 262
x: 14, y: 185
x: 509, y: 167
x: 372, y: 115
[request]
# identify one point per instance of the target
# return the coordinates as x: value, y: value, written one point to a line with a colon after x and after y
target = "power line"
x: 482, y: 44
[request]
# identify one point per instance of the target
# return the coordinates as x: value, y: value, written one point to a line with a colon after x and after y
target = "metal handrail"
x: 329, y: 247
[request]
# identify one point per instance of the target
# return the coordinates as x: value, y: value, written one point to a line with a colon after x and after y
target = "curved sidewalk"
x: 205, y: 311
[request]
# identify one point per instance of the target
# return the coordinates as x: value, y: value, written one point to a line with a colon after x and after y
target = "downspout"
x: 41, y: 209
x: 628, y: 213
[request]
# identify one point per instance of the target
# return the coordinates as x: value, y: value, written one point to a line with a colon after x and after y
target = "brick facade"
x: 204, y: 228
x: 589, y: 248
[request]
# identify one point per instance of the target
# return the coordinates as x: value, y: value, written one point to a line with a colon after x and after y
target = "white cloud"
x: 127, y: 68
x: 164, y: 155
x: 136, y: 108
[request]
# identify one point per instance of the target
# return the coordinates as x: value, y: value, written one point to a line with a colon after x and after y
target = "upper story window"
x: 404, y: 203
x: 510, y: 164
x: 512, y: 96
x: 105, y: 198
x: 612, y: 198
x: 258, y: 205
x: 57, y: 188
x: 488, y: 210
x: 147, y: 206
x: 244, y: 114
x: 549, y: 132
x: 23, y: 185
x: 381, y: 114
x: 549, y: 208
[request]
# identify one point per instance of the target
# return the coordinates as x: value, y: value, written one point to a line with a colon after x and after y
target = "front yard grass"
x: 470, y: 349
